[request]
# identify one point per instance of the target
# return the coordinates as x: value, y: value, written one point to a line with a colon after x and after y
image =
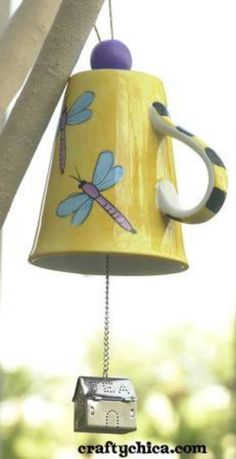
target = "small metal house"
x: 106, y: 405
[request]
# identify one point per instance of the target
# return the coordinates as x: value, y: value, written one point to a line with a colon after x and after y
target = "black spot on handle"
x: 161, y: 108
x: 216, y: 200
x: 184, y: 131
x: 214, y: 157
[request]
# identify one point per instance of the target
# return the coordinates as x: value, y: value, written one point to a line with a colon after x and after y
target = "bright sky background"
x: 48, y: 318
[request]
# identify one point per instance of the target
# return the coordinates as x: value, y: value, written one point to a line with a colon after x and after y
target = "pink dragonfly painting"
x: 105, y: 176
x: 78, y: 113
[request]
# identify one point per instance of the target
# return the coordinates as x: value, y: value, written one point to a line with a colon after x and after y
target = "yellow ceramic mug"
x: 112, y: 151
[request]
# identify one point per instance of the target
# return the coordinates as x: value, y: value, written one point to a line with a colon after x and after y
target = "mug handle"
x: 167, y: 197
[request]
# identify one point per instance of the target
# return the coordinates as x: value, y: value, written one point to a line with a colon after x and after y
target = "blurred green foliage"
x: 186, y: 395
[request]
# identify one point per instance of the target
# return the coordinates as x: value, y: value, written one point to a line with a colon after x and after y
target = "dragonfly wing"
x: 79, y: 117
x: 113, y: 177
x: 82, y: 213
x: 81, y: 103
x: 103, y: 166
x: 71, y: 204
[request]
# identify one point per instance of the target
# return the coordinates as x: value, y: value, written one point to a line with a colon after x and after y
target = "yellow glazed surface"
x: 119, y: 123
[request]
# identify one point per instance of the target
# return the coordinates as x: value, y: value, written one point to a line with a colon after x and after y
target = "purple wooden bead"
x: 111, y: 54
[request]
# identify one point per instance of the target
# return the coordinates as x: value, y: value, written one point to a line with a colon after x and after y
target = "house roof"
x: 96, y: 388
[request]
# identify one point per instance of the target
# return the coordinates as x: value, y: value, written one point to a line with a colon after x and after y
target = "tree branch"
x: 21, y: 43
x: 38, y: 99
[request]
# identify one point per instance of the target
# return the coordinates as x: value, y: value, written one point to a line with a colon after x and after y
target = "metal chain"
x: 106, y: 341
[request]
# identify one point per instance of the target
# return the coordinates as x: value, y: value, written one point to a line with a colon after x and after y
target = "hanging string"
x: 111, y: 23
x: 106, y: 341
x: 111, y: 19
x: 97, y: 33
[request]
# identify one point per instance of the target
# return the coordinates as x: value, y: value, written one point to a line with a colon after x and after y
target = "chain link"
x: 106, y: 341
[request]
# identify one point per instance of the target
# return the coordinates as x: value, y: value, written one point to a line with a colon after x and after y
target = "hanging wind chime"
x: 111, y: 206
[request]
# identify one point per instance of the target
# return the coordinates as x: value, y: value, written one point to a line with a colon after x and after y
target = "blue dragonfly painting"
x: 105, y: 176
x: 78, y: 113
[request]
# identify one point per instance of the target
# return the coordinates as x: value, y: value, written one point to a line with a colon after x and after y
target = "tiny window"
x: 132, y: 413
x: 92, y: 410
